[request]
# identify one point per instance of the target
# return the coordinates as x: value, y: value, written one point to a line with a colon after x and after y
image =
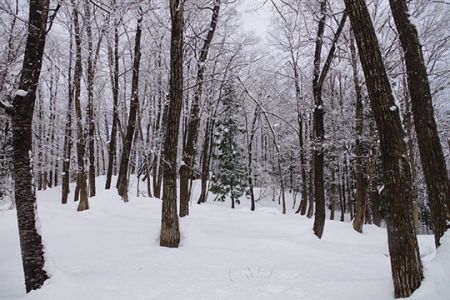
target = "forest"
x: 224, y: 149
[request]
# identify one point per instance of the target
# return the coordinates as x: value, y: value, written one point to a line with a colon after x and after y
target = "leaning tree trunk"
x: 122, y: 181
x: 360, y: 205
x: 170, y: 231
x: 81, y: 175
x: 194, y: 119
x: 114, y: 66
x: 430, y: 148
x: 25, y: 197
x: 403, y: 248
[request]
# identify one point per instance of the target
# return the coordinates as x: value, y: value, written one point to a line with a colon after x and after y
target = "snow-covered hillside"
x: 112, y: 252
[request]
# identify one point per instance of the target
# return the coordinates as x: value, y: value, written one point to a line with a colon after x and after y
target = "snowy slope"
x: 112, y: 252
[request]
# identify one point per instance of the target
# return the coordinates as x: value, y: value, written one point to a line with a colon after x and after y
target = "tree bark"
x: 68, y: 131
x: 430, y: 148
x: 360, y: 205
x: 194, y: 118
x: 170, y: 231
x: 25, y: 197
x: 318, y: 124
x: 403, y: 248
x: 114, y: 65
x: 90, y: 110
x: 122, y: 180
x: 81, y: 174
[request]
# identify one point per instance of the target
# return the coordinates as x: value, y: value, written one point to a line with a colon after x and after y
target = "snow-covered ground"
x: 112, y: 252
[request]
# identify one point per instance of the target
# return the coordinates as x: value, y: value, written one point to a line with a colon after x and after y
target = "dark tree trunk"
x: 403, y: 248
x: 90, y: 110
x: 318, y: 129
x: 122, y: 180
x: 250, y: 158
x: 81, y: 175
x: 360, y: 204
x: 318, y: 124
x: 170, y: 231
x: 194, y: 118
x: 205, y: 162
x: 333, y: 196
x: 68, y: 133
x: 114, y: 64
x: 25, y: 197
x: 430, y: 148
x: 304, y: 202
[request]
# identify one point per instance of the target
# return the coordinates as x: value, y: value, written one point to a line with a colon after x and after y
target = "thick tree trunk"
x: 170, y: 232
x: 430, y: 148
x: 81, y: 175
x: 25, y: 197
x: 122, y: 180
x: 403, y: 248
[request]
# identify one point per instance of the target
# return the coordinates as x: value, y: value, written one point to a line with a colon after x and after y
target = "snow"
x: 21, y: 93
x: 112, y: 252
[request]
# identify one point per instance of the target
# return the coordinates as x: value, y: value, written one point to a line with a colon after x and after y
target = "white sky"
x: 256, y: 16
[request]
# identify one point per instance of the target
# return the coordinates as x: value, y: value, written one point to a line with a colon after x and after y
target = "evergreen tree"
x: 231, y: 178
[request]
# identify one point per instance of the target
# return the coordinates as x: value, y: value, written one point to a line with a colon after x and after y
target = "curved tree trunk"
x: 25, y: 197
x: 114, y: 65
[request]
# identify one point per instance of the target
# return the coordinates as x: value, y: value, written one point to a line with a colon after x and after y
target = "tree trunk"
x: 122, y: 180
x: 333, y: 197
x: 408, y: 123
x: 360, y: 204
x: 25, y: 197
x: 90, y: 110
x: 205, y: 162
x: 114, y: 65
x: 403, y: 248
x: 318, y: 124
x: 68, y: 132
x: 170, y: 232
x: 194, y: 118
x: 81, y: 175
x: 430, y: 148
